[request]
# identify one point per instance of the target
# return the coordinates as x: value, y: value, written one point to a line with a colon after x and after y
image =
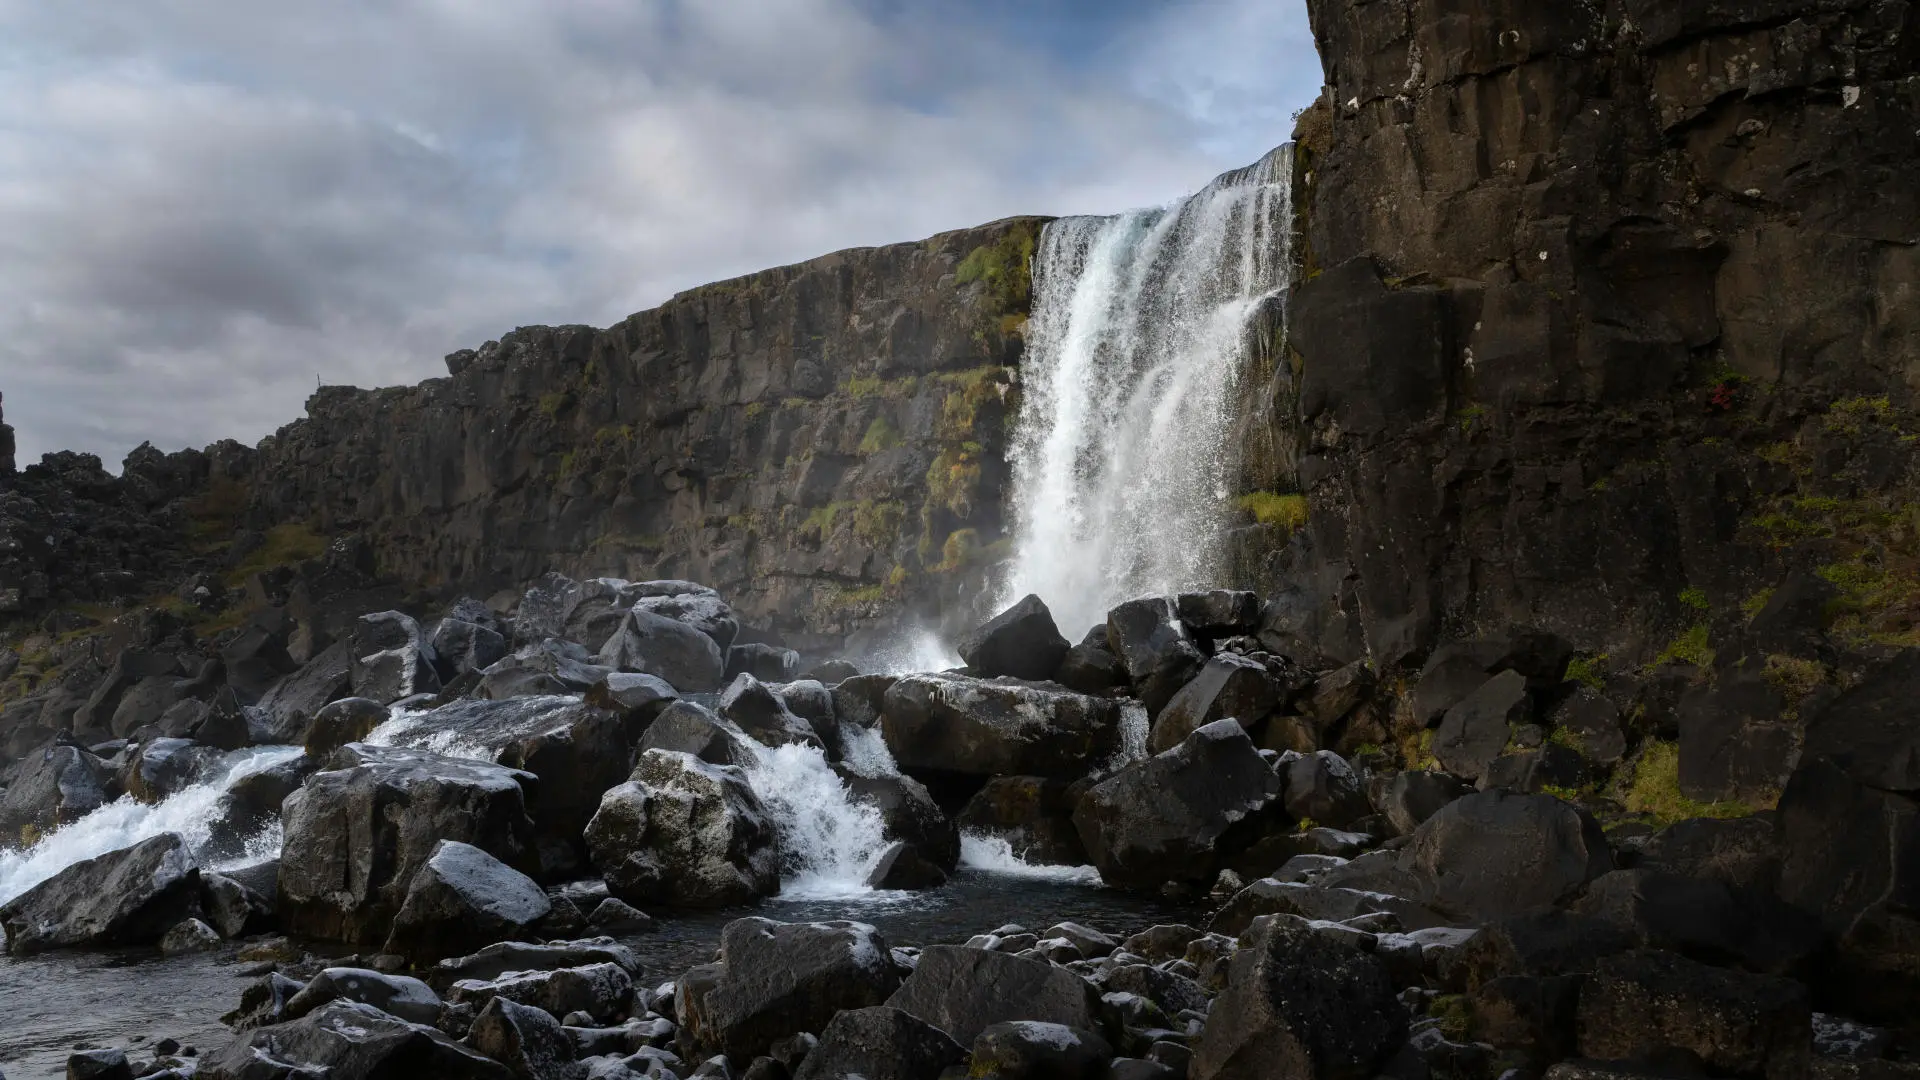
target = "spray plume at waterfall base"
x: 1143, y: 324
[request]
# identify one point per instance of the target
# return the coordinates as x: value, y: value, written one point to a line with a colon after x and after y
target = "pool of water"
x: 53, y: 1004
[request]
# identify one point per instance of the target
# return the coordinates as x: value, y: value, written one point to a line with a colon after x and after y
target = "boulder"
x: 287, y: 710
x: 252, y: 804
x: 639, y: 698
x: 126, y: 897
x: 546, y: 667
x: 397, y: 995
x: 1021, y: 642
x: 768, y: 663
x: 763, y: 714
x: 576, y: 750
x: 880, y: 1043
x: 1869, y: 731
x: 705, y: 612
x: 1337, y: 694
x: 960, y: 724
x: 545, y: 608
x: 1091, y: 667
x: 1164, y: 819
x: 686, y: 727
x: 1229, y: 687
x: 1316, y: 903
x: 1219, y: 613
x: 832, y: 673
x: 163, y: 767
x: 1648, y: 1005
x: 1532, y: 1017
x: 1709, y: 921
x: 527, y: 1040
x: 1413, y: 796
x: 496, y: 960
x: 358, y: 832
x: 1734, y: 851
x: 392, y: 659
x: 1492, y: 854
x: 1548, y: 767
x: 144, y: 703
x: 1474, y: 731
x: 776, y: 978
x: 1592, y: 721
x: 656, y: 645
x: 241, y: 901
x: 1033, y: 814
x: 93, y: 720
x: 910, y: 815
x: 964, y: 991
x: 1452, y: 672
x: 56, y: 785
x: 1172, y: 992
x: 347, y: 1038
x: 348, y: 720
x: 1547, y: 944
x: 904, y: 866
x: 463, y: 648
x: 615, y: 916
x: 1030, y: 1050
x: 1299, y: 1005
x: 1323, y: 788
x: 685, y: 833
x: 99, y: 1065
x: 1159, y: 656
x: 461, y: 899
x: 603, y: 991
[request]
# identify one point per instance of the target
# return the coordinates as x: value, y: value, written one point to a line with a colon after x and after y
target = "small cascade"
x: 994, y: 855
x: 193, y: 812
x: 829, y: 842
x: 1142, y: 326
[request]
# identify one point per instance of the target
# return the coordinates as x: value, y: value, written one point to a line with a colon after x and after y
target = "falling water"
x: 829, y: 842
x: 1139, y: 335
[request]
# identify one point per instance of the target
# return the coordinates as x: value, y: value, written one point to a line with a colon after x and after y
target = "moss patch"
x: 1691, y: 647
x: 881, y: 436
x: 286, y: 545
x: 1587, y: 670
x: 1289, y: 512
x: 1655, y: 790
x: 1005, y: 268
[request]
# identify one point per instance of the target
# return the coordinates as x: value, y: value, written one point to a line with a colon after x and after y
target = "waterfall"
x: 829, y: 842
x: 1141, y: 329
x: 193, y: 812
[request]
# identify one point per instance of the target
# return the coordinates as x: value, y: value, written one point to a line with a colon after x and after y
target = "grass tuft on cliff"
x: 1005, y: 267
x: 286, y: 545
x: 1655, y: 790
x: 1289, y: 512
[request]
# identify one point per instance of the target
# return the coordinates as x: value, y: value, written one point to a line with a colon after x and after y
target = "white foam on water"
x: 398, y: 728
x: 1143, y: 324
x: 191, y: 812
x: 864, y: 750
x: 994, y: 855
x: 829, y: 841
x: 914, y: 652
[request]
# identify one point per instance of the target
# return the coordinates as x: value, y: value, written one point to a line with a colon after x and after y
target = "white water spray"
x: 829, y: 841
x: 1139, y: 335
x: 995, y: 855
x: 192, y: 812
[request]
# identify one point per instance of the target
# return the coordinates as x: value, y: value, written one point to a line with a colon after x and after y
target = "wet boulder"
x: 656, y: 645
x: 1869, y: 730
x: 1023, y: 1049
x: 1412, y: 796
x: 241, y: 901
x: 576, y: 750
x: 1163, y: 819
x: 1476, y: 730
x: 1033, y: 814
x: 768, y: 663
x: 880, y: 1043
x: 358, y: 832
x: 603, y: 991
x: 776, y: 978
x: 1298, y: 1004
x: 705, y: 612
x: 462, y: 648
x: 909, y: 814
x: 1150, y: 641
x: 964, y: 991
x: 685, y: 833
x: 163, y: 767
x: 1323, y: 788
x: 288, y: 709
x: 498, y: 959
x: 127, y: 897
x: 905, y: 866
x: 392, y: 659
x: 1736, y: 851
x: 686, y: 727
x: 397, y: 995
x: 347, y: 1038
x: 252, y: 802
x: 56, y: 785
x: 981, y: 727
x: 763, y: 714
x: 527, y: 1040
x: 1229, y: 687
x: 1648, y: 1005
x: 1709, y: 921
x: 348, y: 720
x: 637, y: 698
x: 546, y: 667
x: 1219, y: 613
x: 461, y: 899
x: 1021, y: 642
x: 1091, y: 667
x: 1494, y: 853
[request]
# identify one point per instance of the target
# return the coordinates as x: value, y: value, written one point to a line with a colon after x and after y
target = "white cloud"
x: 205, y: 204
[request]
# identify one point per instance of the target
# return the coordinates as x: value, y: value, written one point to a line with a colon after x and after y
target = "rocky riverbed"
x: 596, y: 834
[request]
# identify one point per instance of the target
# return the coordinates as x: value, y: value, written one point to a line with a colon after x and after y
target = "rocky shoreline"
x: 483, y: 805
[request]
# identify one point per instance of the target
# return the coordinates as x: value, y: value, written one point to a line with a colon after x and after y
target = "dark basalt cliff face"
x: 1609, y: 322
x: 822, y: 441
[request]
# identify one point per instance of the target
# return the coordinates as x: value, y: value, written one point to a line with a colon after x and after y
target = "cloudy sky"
x: 206, y: 206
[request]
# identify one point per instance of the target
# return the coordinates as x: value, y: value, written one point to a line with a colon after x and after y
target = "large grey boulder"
x: 1297, y: 1004
x: 1647, y: 1005
x: 603, y: 990
x: 1021, y: 642
x: 545, y: 608
x: 1229, y: 687
x: 462, y: 648
x: 774, y: 979
x: 162, y: 767
x: 348, y: 720
x: 763, y: 714
x: 348, y: 1038
x: 1474, y: 731
x: 1869, y: 730
x: 1323, y: 788
x: 288, y: 709
x: 994, y: 727
x: 704, y: 611
x: 964, y: 991
x: 909, y: 813
x: 1413, y: 796
x: 1163, y: 819
x: 462, y: 899
x: 358, y: 832
x: 392, y: 659
x: 397, y: 995
x: 1149, y: 639
x: 546, y: 667
x: 497, y: 960
x: 656, y: 645
x: 687, y: 727
x: 1493, y: 854
x: 1029, y: 1050
x: 126, y: 897
x: 54, y: 786
x: 880, y: 1043
x: 684, y: 833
